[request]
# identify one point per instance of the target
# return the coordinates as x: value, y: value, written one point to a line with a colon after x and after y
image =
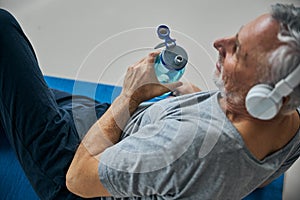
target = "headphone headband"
x: 293, y: 79
x: 286, y: 86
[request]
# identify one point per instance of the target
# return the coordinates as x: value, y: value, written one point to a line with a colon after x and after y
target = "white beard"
x: 233, y: 96
x: 217, y: 78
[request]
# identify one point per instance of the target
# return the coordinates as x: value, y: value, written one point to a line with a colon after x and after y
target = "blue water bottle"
x: 170, y: 63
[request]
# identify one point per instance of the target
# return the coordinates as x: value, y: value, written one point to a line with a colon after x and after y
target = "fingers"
x: 154, y: 54
x: 152, y: 57
x: 148, y: 59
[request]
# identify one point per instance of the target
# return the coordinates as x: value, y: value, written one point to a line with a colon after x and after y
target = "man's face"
x: 242, y: 55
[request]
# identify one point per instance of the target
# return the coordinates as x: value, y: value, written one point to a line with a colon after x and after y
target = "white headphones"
x: 264, y: 102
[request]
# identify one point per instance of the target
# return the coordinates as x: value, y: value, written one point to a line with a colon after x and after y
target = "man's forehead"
x: 262, y: 31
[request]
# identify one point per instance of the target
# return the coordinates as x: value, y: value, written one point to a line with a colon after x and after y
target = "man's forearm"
x: 82, y: 177
x: 106, y: 131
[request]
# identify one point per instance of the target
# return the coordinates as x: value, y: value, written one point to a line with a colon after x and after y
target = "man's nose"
x: 224, y: 45
x: 219, y: 45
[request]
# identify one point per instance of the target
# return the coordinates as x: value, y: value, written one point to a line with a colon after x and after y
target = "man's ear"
x: 285, y: 100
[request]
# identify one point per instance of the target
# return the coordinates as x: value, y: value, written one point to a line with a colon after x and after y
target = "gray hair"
x: 286, y: 58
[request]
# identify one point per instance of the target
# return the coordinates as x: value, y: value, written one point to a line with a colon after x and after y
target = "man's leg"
x: 42, y: 135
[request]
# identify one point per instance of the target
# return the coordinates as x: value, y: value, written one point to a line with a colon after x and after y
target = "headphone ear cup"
x: 260, y: 104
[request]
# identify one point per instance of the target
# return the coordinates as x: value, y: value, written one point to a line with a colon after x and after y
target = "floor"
x: 97, y: 41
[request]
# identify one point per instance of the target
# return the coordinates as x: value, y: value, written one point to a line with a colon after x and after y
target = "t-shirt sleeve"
x: 150, y: 161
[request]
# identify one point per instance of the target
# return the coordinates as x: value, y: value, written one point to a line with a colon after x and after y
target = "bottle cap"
x: 174, y: 57
x: 163, y: 33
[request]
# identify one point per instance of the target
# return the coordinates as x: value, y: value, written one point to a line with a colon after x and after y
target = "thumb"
x: 172, y: 86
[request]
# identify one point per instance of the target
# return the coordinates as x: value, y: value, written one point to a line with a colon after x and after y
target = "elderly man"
x: 205, y: 145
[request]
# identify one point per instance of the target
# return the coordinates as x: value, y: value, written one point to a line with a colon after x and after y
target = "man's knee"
x: 6, y: 19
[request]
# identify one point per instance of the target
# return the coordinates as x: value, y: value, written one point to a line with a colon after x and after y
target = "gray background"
x: 96, y: 40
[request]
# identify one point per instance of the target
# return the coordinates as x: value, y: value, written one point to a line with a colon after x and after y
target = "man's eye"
x: 235, y: 47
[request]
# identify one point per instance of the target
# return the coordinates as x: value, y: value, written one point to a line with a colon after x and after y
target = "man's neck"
x: 265, y: 137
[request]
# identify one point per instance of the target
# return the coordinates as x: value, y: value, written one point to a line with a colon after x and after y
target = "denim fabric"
x: 38, y: 123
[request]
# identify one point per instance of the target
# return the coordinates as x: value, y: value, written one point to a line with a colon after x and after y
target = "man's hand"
x: 186, y: 88
x: 141, y: 83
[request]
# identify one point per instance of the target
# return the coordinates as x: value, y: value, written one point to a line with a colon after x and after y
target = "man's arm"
x: 140, y: 84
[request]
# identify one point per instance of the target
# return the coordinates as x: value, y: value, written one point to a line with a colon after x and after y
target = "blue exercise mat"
x: 15, y: 186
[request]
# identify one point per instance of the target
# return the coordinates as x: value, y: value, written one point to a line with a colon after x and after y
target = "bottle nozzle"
x: 178, y: 59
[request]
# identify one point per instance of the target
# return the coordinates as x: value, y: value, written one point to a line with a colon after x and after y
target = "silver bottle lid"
x: 174, y: 57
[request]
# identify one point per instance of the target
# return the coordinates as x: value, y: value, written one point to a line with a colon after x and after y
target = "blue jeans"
x: 38, y: 121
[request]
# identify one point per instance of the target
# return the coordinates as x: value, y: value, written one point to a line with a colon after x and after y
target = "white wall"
x: 73, y: 38
x: 95, y: 40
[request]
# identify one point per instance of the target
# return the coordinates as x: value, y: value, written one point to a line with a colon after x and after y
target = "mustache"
x: 220, y: 60
x: 219, y: 64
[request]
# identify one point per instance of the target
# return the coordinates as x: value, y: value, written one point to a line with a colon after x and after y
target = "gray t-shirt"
x: 186, y: 148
